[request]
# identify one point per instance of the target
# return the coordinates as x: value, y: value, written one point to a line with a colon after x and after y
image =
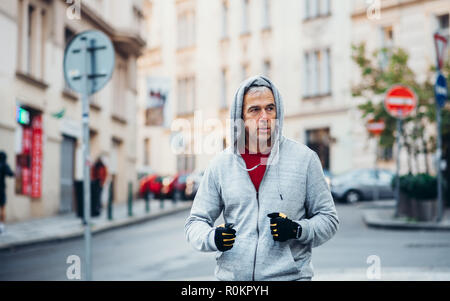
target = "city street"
x: 157, y: 250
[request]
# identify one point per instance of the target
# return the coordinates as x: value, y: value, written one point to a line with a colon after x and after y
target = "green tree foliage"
x: 379, y: 71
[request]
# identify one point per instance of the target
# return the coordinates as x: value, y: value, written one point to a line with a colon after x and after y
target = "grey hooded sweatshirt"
x: 293, y: 184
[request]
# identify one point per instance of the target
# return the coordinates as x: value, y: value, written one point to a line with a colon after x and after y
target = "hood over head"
x: 237, y: 122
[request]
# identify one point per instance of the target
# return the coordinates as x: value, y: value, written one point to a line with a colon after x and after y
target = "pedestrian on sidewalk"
x: 99, y: 173
x: 271, y: 191
x: 5, y: 171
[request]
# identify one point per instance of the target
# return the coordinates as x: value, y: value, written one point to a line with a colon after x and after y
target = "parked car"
x: 150, y: 184
x: 362, y: 184
x: 173, y: 187
x: 192, y: 184
x: 180, y: 187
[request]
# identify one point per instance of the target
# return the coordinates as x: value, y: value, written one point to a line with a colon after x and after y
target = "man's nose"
x: 264, y: 115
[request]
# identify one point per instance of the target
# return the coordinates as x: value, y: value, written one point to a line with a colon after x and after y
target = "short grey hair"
x: 257, y: 90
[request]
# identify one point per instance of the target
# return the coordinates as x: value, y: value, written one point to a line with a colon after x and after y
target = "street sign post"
x: 400, y: 101
x: 375, y: 127
x: 440, y: 44
x: 88, y: 66
x: 441, y: 95
x: 441, y: 90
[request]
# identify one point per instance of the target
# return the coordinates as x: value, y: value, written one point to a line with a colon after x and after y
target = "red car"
x: 151, y: 184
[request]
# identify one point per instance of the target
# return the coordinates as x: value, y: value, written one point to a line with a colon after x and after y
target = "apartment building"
x: 207, y: 48
x: 40, y: 117
x: 407, y: 24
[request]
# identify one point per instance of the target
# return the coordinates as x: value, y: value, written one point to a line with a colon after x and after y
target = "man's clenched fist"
x: 283, y: 228
x: 224, y: 237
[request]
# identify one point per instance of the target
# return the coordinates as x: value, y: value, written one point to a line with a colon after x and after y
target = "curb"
x: 372, y: 219
x: 95, y: 229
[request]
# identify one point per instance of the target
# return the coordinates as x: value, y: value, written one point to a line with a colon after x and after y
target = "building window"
x: 319, y: 140
x: 120, y: 87
x: 317, y: 73
x: 385, y: 153
x: 443, y: 26
x: 185, y: 163
x: 146, y: 151
x: 224, y: 19
x: 266, y: 14
x: 267, y: 68
x: 387, y: 43
x: 316, y: 8
x: 186, y: 29
x: 224, y: 87
x: 245, y: 16
x: 244, y: 71
x: 32, y: 36
x: 186, y: 95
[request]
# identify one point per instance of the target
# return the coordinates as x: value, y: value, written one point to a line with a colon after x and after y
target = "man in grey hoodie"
x: 271, y: 191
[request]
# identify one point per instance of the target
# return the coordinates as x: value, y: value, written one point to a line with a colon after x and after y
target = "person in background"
x: 5, y: 171
x: 99, y: 173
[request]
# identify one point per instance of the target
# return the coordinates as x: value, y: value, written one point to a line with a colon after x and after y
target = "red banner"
x: 26, y: 176
x: 26, y: 140
x: 36, y: 157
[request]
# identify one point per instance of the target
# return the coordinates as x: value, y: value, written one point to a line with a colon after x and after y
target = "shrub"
x: 424, y: 187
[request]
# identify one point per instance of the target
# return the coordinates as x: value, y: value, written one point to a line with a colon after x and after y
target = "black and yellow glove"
x: 283, y: 228
x: 224, y: 237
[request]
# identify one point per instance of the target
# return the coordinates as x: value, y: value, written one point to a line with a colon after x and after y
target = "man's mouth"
x: 264, y: 130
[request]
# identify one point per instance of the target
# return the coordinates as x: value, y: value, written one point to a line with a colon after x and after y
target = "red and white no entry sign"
x: 376, y: 127
x: 400, y: 101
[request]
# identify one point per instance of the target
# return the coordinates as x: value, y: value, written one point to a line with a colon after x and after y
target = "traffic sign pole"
x: 86, y: 164
x: 397, y: 172
x: 438, y: 165
x: 88, y: 66
x: 400, y: 102
x: 441, y: 97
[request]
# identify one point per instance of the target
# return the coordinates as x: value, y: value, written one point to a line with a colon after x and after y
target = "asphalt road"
x: 157, y: 250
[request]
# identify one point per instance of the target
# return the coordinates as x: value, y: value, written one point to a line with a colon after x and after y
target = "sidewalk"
x: 67, y: 226
x: 380, y: 214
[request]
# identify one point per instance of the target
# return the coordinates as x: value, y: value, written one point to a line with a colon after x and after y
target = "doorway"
x: 68, y: 146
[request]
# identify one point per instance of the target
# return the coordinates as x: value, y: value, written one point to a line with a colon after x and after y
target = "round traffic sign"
x: 375, y: 127
x: 400, y: 101
x: 90, y: 54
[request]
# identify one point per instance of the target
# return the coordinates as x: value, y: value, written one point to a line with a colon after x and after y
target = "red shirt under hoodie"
x: 251, y: 160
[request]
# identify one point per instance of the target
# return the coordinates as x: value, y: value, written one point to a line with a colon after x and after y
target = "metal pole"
x: 86, y: 168
x: 130, y: 199
x: 110, y: 200
x: 147, y: 202
x: 375, y: 190
x: 397, y: 180
x: 438, y: 164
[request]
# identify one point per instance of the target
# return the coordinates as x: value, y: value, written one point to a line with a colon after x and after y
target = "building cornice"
x: 388, y: 5
x: 126, y: 42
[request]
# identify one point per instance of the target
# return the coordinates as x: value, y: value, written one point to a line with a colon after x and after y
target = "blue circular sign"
x: 440, y: 90
x: 90, y: 54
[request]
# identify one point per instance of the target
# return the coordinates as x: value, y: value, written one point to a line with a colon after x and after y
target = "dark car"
x: 362, y: 184
x: 173, y: 186
x: 179, y: 192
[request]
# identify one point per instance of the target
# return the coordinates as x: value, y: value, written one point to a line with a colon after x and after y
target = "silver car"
x: 362, y: 184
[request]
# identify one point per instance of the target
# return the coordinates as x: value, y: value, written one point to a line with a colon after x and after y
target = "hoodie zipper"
x: 257, y: 232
